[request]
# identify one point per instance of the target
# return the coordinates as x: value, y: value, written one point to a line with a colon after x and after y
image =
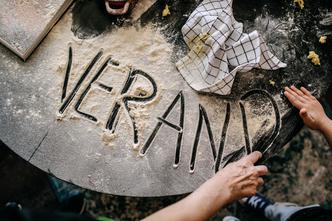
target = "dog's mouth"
x: 117, y: 7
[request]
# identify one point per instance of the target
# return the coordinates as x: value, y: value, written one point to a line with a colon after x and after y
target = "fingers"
x: 252, y: 173
x: 303, y: 94
x: 293, y: 99
x: 257, y: 171
x: 261, y: 170
x: 297, y: 91
x: 260, y: 181
x: 250, y: 188
x: 251, y: 179
x: 306, y: 92
x: 250, y: 182
x: 300, y: 99
x: 253, y: 157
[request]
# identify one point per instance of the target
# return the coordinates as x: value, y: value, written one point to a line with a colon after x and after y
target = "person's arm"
x: 311, y: 111
x: 236, y: 181
x: 327, y: 131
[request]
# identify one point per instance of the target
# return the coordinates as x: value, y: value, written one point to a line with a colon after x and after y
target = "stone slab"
x: 108, y: 110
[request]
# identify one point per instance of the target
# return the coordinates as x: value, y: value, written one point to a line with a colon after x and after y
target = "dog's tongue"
x: 117, y: 4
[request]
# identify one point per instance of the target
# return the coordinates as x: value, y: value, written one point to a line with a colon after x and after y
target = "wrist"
x: 216, y: 191
x: 325, y: 125
x: 209, y: 198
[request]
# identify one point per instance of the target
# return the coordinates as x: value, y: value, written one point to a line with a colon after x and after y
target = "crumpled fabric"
x: 219, y: 49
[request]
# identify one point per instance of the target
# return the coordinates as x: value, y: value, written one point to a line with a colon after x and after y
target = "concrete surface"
x: 300, y: 174
x: 73, y: 148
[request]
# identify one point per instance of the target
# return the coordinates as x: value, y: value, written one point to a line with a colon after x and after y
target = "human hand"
x: 311, y: 111
x: 242, y: 178
x: 236, y: 181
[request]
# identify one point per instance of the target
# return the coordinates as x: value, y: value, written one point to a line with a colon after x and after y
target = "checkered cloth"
x: 219, y: 49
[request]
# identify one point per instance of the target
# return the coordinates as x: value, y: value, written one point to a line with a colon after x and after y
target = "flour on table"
x: 134, y: 47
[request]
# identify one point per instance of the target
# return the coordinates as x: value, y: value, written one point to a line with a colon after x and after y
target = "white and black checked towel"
x: 219, y: 49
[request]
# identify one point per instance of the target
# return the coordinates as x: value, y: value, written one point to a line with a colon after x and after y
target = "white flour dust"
x: 143, y: 48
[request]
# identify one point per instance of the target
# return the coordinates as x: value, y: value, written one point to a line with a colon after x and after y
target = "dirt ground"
x: 301, y: 173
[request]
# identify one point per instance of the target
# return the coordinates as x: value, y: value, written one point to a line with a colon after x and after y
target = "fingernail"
x: 260, y: 154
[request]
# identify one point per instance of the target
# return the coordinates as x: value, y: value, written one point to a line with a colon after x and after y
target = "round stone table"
x: 100, y: 103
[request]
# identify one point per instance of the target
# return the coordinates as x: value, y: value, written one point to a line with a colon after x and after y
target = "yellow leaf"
x: 272, y: 82
x: 300, y: 3
x: 322, y: 39
x: 314, y: 58
x: 166, y: 11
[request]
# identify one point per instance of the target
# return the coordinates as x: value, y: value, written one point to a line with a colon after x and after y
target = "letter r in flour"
x: 126, y: 98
